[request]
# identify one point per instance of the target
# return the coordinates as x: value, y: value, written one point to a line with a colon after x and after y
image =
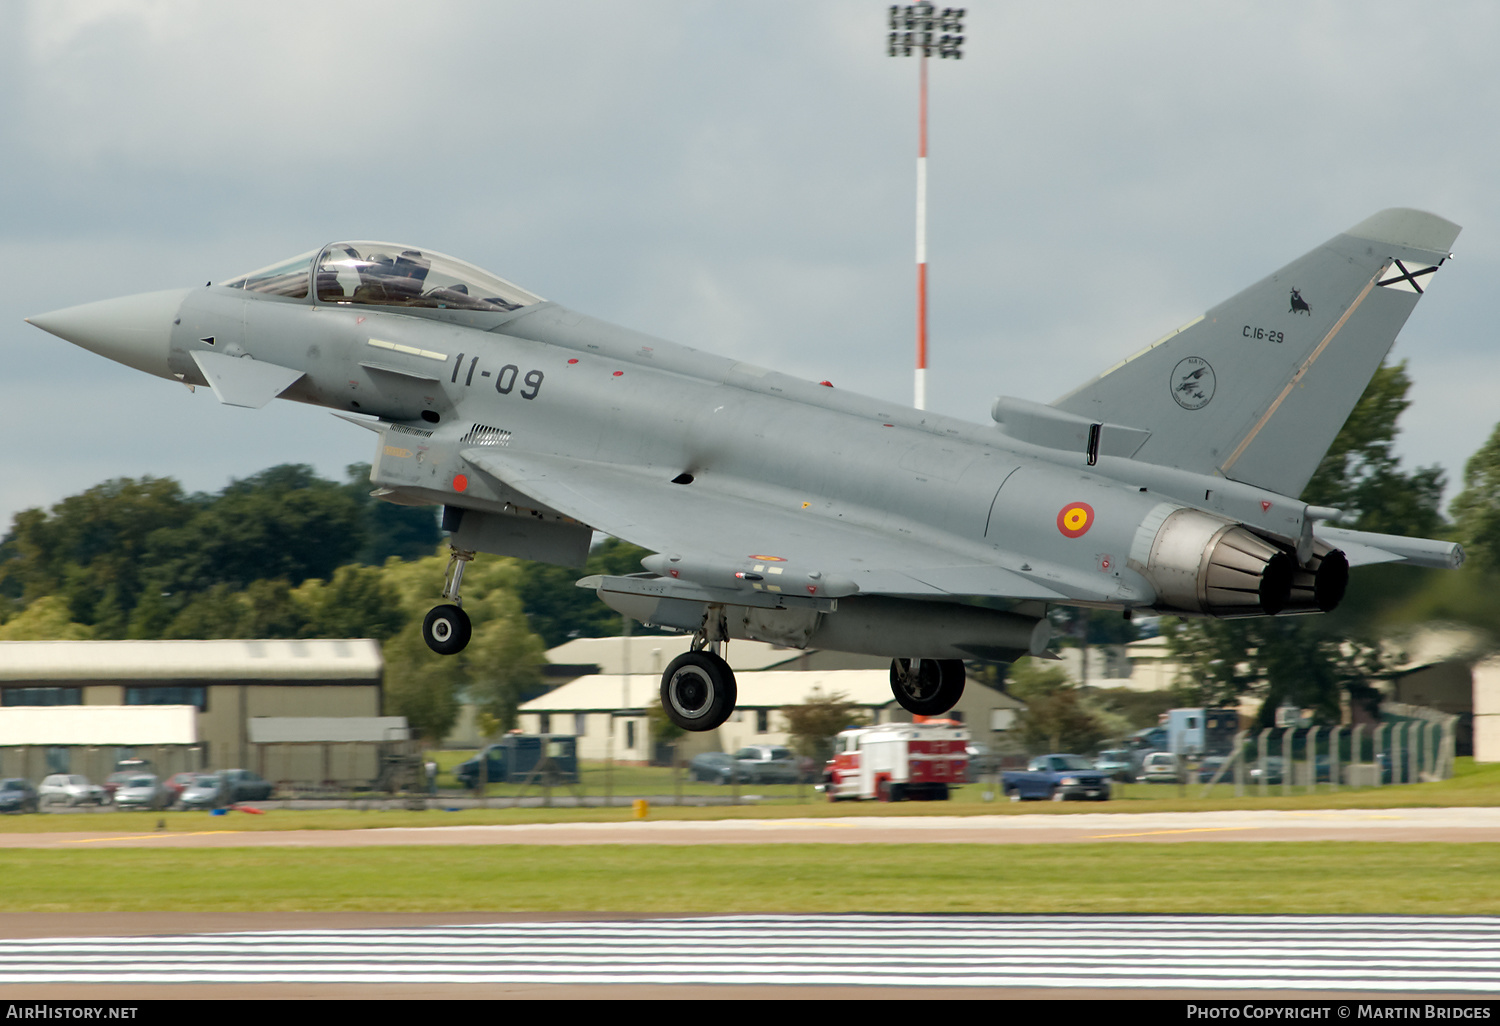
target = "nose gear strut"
x: 447, y: 629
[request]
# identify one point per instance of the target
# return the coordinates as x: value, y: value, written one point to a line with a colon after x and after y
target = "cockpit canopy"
x: 386, y: 274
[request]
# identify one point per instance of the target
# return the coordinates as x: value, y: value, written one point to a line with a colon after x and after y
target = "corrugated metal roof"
x: 765, y: 689
x: 313, y: 729
x: 269, y: 659
x: 99, y: 725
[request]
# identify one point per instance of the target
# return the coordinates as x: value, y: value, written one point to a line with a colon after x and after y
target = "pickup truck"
x: 1057, y: 778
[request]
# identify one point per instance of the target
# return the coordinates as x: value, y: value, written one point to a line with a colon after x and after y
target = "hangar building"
x: 226, y: 684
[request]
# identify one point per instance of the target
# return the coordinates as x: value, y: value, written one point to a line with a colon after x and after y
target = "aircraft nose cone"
x: 133, y: 330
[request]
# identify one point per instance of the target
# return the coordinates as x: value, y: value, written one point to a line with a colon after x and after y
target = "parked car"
x: 715, y: 768
x: 1056, y: 777
x: 18, y: 795
x: 140, y: 791
x: 768, y: 764
x: 70, y: 789
x: 1273, y: 772
x: 241, y: 785
x: 201, y: 791
x: 982, y: 762
x: 1405, y: 771
x: 1161, y: 768
x: 1209, y: 768
x: 113, y: 782
x: 1118, y: 763
x: 177, y: 781
x: 514, y: 758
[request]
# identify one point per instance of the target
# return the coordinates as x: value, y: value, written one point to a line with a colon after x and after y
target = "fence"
x: 95, y: 762
x: 1414, y: 745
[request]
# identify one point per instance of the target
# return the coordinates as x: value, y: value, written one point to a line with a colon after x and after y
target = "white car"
x: 141, y: 791
x: 70, y: 789
x: 1160, y: 768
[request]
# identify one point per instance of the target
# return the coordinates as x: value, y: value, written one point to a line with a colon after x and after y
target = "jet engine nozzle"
x: 1201, y: 563
x: 1319, y: 586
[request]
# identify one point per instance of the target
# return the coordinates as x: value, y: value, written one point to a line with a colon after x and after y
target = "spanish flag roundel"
x: 1075, y: 519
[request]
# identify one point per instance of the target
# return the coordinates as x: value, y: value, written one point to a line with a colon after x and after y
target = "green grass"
x: 1288, y: 877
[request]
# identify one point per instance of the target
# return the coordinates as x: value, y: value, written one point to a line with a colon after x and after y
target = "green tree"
x: 505, y: 658
x: 359, y: 602
x: 91, y: 548
x: 1361, y: 474
x: 814, y: 724
x: 499, y: 668
x: 264, y: 609
x: 422, y: 685
x: 1314, y: 660
x: 406, y: 532
x: 559, y: 610
x: 1476, y: 509
x: 46, y: 619
x: 284, y: 522
x: 1059, y: 716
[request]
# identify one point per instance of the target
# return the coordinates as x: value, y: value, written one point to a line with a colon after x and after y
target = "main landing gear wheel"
x: 447, y: 630
x: 934, y: 687
x: 698, y: 691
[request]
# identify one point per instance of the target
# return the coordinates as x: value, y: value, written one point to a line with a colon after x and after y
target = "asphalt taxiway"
x: 1437, y: 824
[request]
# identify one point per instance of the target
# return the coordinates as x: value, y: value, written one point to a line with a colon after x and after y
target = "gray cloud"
x: 737, y: 177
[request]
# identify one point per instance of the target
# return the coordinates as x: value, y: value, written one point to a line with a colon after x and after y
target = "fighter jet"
x: 794, y: 513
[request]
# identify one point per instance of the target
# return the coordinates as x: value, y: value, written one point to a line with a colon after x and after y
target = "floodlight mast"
x: 916, y: 28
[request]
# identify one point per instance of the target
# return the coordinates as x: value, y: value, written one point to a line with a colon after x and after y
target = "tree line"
x: 288, y: 554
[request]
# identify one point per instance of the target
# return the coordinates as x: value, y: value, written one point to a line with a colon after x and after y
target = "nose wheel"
x: 446, y: 628
x: 927, y: 687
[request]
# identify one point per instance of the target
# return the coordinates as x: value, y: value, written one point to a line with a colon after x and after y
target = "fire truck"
x: 897, y: 761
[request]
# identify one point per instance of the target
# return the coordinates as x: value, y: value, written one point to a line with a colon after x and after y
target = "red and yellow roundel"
x: 1075, y: 519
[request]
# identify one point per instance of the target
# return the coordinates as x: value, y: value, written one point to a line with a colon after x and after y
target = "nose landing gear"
x: 447, y: 628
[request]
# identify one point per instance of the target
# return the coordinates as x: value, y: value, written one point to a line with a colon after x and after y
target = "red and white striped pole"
x: 921, y: 379
x: 912, y: 28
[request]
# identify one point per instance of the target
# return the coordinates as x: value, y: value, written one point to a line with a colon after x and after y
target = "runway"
x: 784, y: 955
x: 1440, y: 824
x: 154, y: 955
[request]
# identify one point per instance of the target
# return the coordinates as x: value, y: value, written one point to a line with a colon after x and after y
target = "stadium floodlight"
x: 919, y: 29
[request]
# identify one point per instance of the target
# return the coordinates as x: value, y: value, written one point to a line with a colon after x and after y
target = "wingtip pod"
x: 1414, y: 229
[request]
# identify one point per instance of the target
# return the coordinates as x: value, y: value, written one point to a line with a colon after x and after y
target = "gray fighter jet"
x: 793, y: 513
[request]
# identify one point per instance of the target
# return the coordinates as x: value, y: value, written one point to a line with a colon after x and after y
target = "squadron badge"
x: 1192, y: 383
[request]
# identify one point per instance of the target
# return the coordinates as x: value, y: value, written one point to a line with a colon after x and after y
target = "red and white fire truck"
x: 898, y: 761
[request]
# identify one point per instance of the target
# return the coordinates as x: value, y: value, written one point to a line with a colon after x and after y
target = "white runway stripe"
x: 1366, y: 953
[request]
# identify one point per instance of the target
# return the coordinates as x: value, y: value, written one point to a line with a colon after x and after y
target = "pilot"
x: 338, y: 259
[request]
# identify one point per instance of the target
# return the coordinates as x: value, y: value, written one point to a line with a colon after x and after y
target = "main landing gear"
x: 927, y: 687
x: 447, y: 629
x: 697, y: 689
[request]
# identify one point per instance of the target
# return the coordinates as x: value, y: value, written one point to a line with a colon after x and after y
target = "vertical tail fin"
x: 1257, y: 388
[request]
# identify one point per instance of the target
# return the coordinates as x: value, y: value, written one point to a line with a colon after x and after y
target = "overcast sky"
x: 738, y: 177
